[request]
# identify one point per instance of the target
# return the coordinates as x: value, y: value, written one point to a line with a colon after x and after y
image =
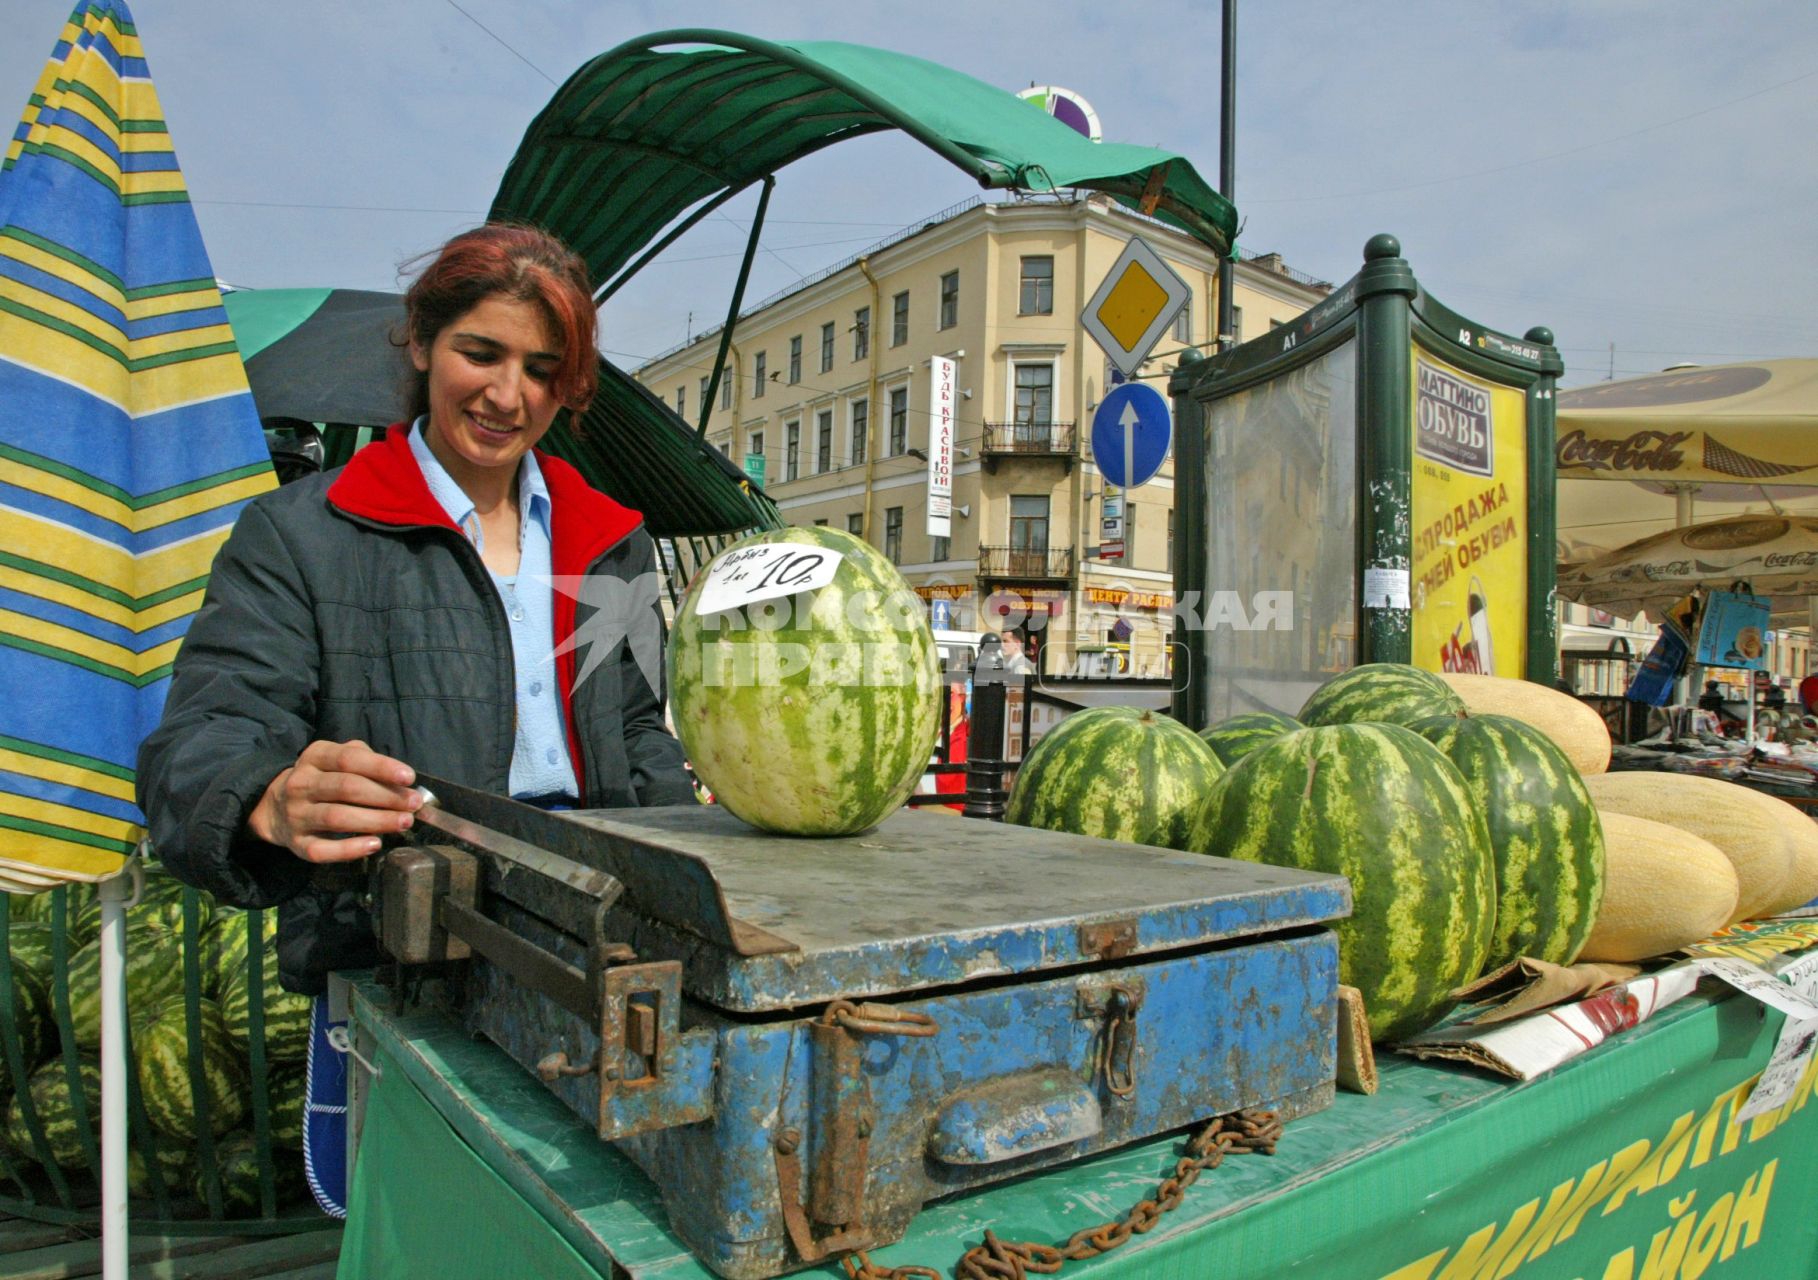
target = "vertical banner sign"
x: 943, y: 393
x: 1470, y: 500
x: 1111, y: 525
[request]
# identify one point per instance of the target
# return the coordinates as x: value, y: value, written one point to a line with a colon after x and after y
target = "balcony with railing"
x: 1029, y: 440
x: 1036, y: 563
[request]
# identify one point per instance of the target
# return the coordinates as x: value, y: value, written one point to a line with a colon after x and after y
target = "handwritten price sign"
x: 768, y: 571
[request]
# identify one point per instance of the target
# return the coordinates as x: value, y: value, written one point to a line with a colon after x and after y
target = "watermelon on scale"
x: 1381, y: 693
x: 1231, y: 740
x: 1545, y: 836
x: 1115, y: 772
x: 1381, y: 805
x: 804, y: 682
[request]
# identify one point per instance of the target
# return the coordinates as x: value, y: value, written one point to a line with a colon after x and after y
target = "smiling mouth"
x: 488, y: 427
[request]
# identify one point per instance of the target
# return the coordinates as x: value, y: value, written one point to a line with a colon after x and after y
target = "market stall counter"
x: 1625, y: 1162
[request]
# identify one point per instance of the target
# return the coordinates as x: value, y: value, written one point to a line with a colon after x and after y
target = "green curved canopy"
x: 643, y: 133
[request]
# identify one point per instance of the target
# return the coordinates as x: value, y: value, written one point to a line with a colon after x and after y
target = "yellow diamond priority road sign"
x: 1139, y: 298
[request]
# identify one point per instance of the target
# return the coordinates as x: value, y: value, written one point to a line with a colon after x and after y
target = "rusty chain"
x: 1247, y: 1132
x: 879, y: 1019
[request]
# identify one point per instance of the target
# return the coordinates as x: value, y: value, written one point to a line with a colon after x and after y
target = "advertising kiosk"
x: 1370, y: 482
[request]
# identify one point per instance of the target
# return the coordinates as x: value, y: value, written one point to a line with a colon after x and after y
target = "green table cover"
x: 1621, y: 1165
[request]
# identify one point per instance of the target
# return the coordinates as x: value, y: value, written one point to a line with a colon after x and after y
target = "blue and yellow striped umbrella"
x: 128, y: 444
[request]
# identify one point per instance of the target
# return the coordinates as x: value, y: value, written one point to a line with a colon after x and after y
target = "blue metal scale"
x: 803, y: 1041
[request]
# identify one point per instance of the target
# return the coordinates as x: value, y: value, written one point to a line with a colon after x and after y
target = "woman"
x: 426, y: 606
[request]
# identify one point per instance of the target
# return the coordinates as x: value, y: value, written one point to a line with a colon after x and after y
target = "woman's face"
x: 490, y: 398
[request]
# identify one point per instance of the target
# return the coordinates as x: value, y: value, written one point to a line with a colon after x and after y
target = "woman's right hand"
x: 335, y: 801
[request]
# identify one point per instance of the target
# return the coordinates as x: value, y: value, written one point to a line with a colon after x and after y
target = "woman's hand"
x: 335, y: 801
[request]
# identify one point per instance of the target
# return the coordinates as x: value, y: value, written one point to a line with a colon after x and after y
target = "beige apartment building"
x: 826, y: 402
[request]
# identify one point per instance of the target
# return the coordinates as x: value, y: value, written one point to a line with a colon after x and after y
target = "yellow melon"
x: 1576, y: 729
x: 1663, y: 888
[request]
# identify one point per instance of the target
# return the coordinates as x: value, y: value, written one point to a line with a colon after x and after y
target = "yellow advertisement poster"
x: 1470, y: 500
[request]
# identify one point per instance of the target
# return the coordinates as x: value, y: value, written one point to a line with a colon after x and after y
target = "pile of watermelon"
x: 1470, y: 840
x: 50, y: 1109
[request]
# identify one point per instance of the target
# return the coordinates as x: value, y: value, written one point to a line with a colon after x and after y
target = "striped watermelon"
x: 154, y: 974
x: 1381, y: 805
x: 284, y: 1094
x: 50, y: 1095
x: 31, y: 1021
x: 1115, y: 772
x: 812, y: 714
x: 286, y: 1012
x: 224, y: 947
x: 159, y: 907
x: 237, y: 1158
x: 176, y: 1170
x: 1382, y: 693
x: 1231, y: 740
x: 1544, y: 833
x: 28, y: 942
x: 162, y: 1046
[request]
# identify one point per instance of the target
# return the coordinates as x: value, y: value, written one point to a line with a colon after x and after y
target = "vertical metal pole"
x: 1227, y: 163
x: 738, y: 297
x: 985, y: 735
x: 114, y: 894
x: 1385, y: 288
x: 1543, y: 514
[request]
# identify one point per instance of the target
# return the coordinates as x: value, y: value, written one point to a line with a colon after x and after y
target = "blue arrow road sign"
x: 1131, y: 422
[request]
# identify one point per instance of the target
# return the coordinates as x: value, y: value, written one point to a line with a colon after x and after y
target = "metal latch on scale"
x: 843, y: 1120
x: 651, y: 1074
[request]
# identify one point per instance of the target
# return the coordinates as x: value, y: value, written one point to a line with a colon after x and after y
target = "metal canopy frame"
x: 639, y: 145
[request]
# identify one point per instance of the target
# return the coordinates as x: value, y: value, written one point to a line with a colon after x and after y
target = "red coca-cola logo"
x: 1643, y: 451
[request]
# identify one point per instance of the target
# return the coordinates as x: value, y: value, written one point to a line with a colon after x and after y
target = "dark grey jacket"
x: 348, y: 606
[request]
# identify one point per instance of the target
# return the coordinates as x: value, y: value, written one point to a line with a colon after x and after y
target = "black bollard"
x: 985, y: 737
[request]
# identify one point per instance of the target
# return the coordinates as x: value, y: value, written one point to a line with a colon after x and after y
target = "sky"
x: 1639, y: 173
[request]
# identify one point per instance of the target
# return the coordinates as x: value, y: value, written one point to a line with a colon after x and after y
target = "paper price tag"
x: 1760, y: 985
x: 1786, y: 1067
x: 768, y: 571
x: 1803, y: 974
x: 1386, y: 589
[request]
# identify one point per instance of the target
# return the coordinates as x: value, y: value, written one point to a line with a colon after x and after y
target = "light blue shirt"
x: 540, y: 764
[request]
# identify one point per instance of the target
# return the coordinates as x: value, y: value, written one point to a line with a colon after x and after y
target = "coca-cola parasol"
x: 1723, y: 440
x: 1725, y: 424
x: 1776, y: 555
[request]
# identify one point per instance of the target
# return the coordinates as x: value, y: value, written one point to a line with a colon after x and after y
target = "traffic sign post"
x: 1131, y: 432
x: 1139, y: 298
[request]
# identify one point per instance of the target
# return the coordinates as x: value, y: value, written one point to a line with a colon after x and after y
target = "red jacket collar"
x: 383, y: 483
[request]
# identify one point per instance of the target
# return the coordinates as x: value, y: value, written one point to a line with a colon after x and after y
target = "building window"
x: 1034, y: 395
x: 827, y: 346
x: 1183, y: 322
x: 1028, y: 525
x: 899, y: 421
x: 855, y: 524
x: 949, y: 300
x: 704, y: 382
x: 1237, y: 324
x: 795, y: 359
x: 942, y: 550
x: 823, y: 440
x: 821, y: 523
x: 861, y: 429
x: 861, y: 333
x: 725, y: 392
x: 726, y: 446
x: 792, y: 451
x: 1037, y: 298
x: 681, y: 401
x: 757, y: 375
x: 893, y: 534
x: 755, y: 444
x: 899, y: 319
